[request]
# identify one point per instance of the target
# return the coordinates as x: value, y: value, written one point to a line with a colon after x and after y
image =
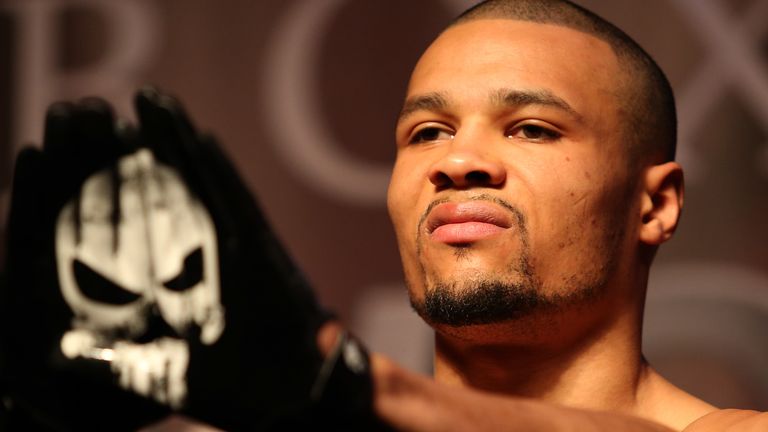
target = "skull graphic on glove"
x: 137, y: 262
x: 127, y: 245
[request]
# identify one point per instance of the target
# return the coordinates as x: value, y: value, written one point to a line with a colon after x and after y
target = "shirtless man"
x: 534, y: 181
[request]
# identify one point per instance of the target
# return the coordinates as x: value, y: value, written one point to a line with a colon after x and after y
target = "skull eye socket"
x: 100, y: 289
x: 190, y: 275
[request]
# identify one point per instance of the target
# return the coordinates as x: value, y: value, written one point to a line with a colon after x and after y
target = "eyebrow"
x: 506, y: 97
x: 543, y: 97
x: 426, y: 102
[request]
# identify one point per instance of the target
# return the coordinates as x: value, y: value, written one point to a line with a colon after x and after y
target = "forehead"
x: 478, y: 57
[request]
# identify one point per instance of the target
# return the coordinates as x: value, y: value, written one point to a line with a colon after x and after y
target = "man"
x: 534, y: 181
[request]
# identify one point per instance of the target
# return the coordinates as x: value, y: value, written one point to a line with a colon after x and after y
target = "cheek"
x: 395, y: 204
x: 567, y: 217
x: 401, y: 203
x: 405, y: 202
x: 580, y: 232
x: 406, y: 187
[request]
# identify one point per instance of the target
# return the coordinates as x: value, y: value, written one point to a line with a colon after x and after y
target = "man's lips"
x: 466, y: 222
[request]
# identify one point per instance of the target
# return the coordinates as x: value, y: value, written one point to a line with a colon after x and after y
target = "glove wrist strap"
x: 344, y: 380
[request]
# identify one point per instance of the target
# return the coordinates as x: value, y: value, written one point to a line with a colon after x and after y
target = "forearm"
x: 410, y: 402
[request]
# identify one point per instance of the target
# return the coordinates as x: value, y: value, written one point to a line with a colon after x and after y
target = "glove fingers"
x: 209, y: 173
x: 166, y: 130
x: 77, y: 130
x: 218, y: 174
x: 221, y: 170
x: 26, y: 209
x: 274, y: 265
x: 95, y: 136
x: 81, y: 139
x: 58, y: 127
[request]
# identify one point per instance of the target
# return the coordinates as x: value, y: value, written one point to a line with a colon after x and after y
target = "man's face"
x: 510, y: 193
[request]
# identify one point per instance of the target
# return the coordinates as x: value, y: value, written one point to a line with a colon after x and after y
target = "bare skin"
x: 411, y: 402
x: 555, y: 155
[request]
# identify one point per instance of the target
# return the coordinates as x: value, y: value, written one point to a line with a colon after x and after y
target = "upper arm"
x: 731, y: 420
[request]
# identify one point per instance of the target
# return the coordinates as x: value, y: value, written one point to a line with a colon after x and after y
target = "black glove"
x: 42, y: 388
x: 143, y: 278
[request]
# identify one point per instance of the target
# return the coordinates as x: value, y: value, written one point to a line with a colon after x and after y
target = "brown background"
x: 277, y: 81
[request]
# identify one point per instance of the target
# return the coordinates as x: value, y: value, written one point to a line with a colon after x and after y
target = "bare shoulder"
x: 680, y: 410
x: 731, y: 420
x: 665, y: 403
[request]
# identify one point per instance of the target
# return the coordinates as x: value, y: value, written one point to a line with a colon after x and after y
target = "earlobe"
x: 662, y: 202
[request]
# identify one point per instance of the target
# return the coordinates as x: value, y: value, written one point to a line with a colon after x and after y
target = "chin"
x: 477, y: 297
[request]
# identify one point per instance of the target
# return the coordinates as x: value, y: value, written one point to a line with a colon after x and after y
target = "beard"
x: 513, y: 294
x: 490, y: 301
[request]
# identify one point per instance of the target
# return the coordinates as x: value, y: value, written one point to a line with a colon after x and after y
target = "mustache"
x: 519, y: 216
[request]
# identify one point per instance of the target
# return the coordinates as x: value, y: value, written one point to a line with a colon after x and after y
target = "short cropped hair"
x: 651, y: 123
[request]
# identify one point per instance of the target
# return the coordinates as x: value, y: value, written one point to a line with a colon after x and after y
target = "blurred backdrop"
x: 303, y: 95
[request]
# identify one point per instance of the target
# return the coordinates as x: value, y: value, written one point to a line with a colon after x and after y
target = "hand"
x: 50, y: 225
x: 140, y: 254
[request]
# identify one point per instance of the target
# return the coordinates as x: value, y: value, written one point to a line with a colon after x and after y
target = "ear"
x: 662, y: 202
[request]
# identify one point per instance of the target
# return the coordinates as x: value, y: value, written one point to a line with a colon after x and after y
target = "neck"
x: 598, y: 365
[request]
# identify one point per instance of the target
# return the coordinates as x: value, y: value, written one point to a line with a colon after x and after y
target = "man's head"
x: 531, y: 164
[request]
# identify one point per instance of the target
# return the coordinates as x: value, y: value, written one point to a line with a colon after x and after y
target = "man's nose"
x: 466, y: 168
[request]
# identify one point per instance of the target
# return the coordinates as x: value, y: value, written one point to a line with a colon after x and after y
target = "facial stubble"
x: 511, y: 294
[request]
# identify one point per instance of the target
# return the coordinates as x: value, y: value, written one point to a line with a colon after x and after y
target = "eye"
x: 533, y: 132
x: 99, y: 288
x: 190, y: 275
x: 430, y: 134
